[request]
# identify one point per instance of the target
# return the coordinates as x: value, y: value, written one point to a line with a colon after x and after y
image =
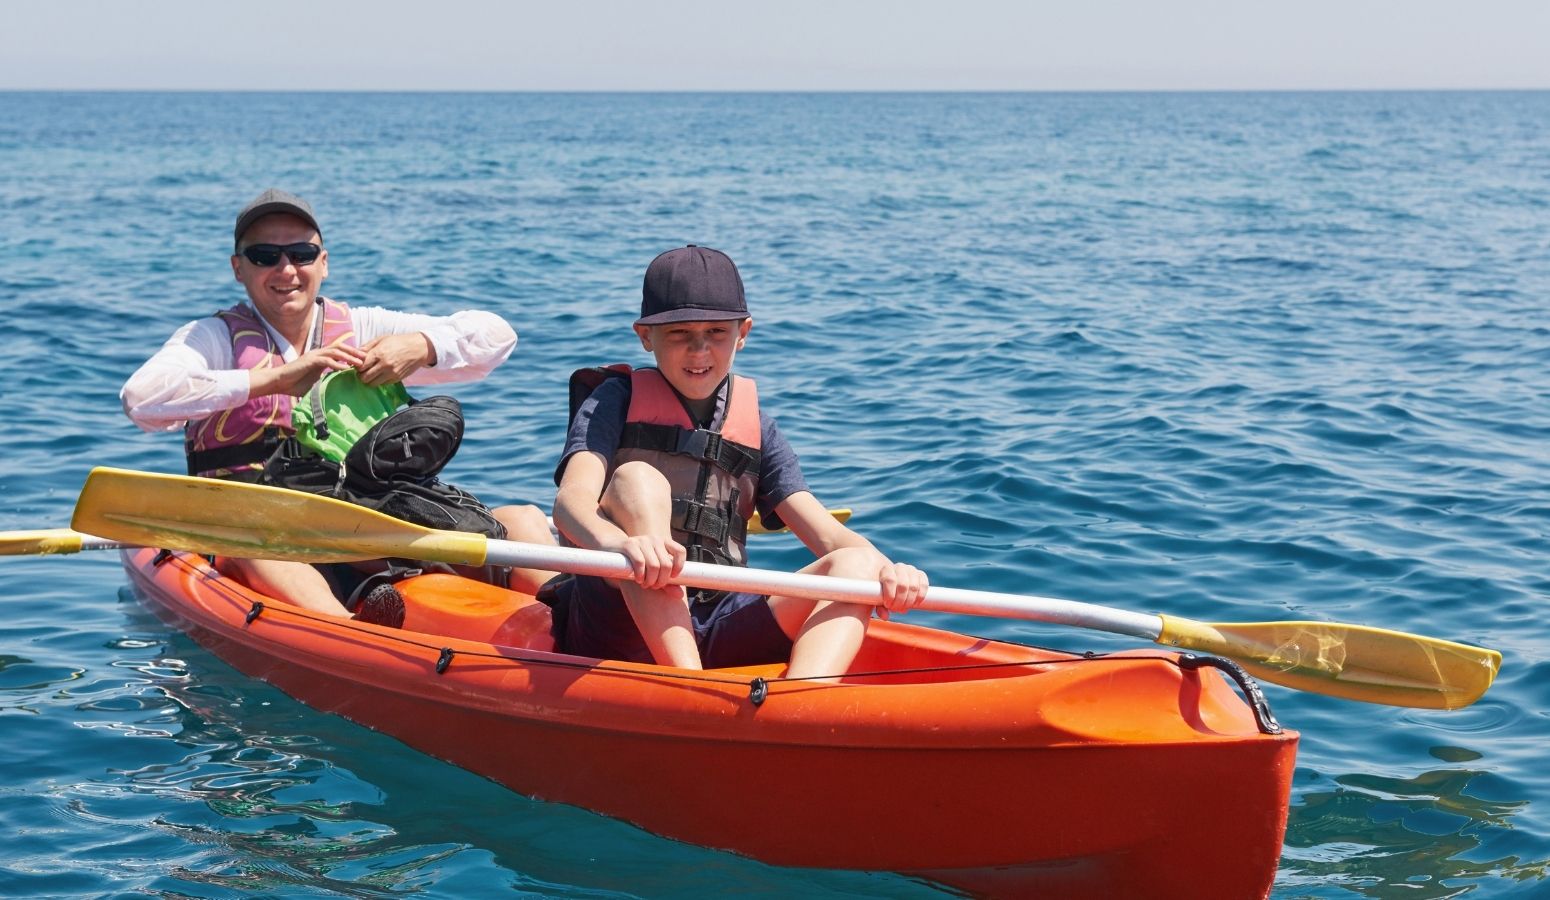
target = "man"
x: 231, y: 380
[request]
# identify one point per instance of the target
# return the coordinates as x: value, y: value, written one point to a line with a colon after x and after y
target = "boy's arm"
x: 815, y: 527
x: 903, y: 585
x: 576, y: 511
x: 579, y: 515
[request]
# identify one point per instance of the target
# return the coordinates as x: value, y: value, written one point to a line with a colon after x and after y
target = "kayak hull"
x: 999, y: 769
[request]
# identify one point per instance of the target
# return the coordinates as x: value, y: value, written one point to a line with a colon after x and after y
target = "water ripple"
x: 1230, y: 357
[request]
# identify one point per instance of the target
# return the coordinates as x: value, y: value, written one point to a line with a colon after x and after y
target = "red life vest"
x: 713, y: 470
x: 239, y: 439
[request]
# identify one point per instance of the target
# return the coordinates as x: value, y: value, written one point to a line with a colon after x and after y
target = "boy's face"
x: 695, y: 357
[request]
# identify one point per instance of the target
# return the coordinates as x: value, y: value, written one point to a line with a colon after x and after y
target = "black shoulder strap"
x: 698, y: 443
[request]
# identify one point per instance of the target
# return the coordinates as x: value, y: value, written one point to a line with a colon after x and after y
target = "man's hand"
x: 300, y: 374
x: 394, y: 357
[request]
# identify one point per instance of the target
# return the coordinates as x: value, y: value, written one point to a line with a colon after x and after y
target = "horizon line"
x: 738, y: 91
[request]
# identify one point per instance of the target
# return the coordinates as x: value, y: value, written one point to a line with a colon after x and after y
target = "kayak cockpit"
x: 894, y: 652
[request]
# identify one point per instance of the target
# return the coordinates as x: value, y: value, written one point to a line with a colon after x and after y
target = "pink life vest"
x: 713, y: 471
x: 240, y: 439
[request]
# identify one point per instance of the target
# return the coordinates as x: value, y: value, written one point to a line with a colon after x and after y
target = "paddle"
x: 64, y: 540
x: 231, y: 519
x: 756, y: 524
x: 52, y: 540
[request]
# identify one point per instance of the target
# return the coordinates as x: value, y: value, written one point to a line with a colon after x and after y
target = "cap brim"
x: 269, y: 209
x: 690, y: 314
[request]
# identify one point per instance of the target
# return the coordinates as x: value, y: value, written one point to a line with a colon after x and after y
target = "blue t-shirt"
x: 600, y: 421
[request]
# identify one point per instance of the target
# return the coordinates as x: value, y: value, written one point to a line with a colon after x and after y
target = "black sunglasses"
x: 266, y: 255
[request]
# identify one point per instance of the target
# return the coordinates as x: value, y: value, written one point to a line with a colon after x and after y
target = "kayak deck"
x: 1001, y: 769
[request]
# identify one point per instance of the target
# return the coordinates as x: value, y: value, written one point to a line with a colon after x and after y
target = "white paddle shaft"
x: 604, y: 564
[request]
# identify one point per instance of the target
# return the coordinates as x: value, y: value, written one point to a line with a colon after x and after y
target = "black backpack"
x: 392, y: 469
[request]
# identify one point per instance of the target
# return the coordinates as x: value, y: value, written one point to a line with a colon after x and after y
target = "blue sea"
x: 1235, y: 357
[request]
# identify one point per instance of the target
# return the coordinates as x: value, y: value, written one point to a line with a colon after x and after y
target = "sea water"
x: 1226, y: 356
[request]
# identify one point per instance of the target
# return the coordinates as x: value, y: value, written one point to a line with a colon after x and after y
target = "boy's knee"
x: 852, y: 562
x: 633, y: 484
x: 637, y: 476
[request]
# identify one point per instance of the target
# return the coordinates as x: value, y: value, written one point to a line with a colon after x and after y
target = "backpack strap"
x: 584, y: 381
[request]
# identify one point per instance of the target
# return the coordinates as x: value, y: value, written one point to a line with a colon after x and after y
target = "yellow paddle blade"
x: 1351, y: 661
x: 756, y: 526
x: 227, y: 518
x: 50, y: 540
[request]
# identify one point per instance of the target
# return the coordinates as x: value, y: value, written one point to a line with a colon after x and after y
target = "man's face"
x: 287, y: 290
x: 695, y: 357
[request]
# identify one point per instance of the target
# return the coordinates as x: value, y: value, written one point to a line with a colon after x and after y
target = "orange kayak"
x: 999, y: 769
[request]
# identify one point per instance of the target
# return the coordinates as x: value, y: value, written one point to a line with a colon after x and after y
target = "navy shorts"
x: 591, y: 619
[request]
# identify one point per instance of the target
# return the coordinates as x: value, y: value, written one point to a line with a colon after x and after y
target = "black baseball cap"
x: 274, y: 200
x: 691, y: 284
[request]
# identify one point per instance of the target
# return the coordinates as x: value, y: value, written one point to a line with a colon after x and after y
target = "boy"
x: 669, y: 464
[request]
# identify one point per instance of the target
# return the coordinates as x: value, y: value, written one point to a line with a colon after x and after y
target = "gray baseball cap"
x: 270, y: 201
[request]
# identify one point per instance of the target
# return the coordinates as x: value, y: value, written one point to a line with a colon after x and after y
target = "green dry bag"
x: 340, y: 409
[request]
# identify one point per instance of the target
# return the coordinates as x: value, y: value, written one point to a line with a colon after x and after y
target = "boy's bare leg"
x: 639, y: 501
x: 529, y: 525
x: 295, y: 582
x: 828, y: 633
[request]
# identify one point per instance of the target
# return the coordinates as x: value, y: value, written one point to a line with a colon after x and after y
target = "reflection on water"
x: 1372, y: 834
x: 261, y: 794
x: 20, y: 675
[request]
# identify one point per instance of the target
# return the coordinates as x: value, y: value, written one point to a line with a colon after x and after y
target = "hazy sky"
x: 780, y: 45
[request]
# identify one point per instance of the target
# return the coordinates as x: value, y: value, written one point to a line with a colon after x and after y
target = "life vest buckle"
x: 699, y: 519
x: 700, y: 444
x: 712, y: 447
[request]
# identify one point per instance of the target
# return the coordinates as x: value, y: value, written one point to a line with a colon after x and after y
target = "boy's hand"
x: 654, y: 560
x: 904, y: 587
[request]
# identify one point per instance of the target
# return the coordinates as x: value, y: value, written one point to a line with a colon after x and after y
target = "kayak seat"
x: 457, y: 607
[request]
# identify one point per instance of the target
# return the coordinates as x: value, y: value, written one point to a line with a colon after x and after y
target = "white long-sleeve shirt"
x: 192, y: 376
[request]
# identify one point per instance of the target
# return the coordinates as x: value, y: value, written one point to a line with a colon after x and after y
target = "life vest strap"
x: 705, y: 554
x: 237, y: 454
x: 708, y: 522
x: 699, y: 443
